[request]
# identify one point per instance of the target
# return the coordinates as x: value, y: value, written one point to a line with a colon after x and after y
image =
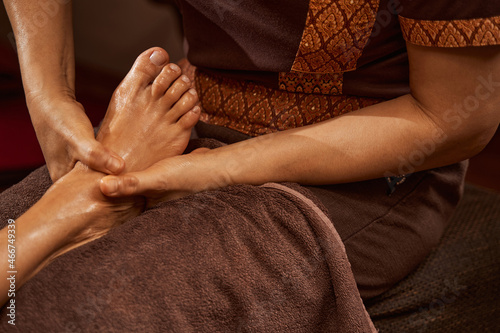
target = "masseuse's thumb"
x: 99, y: 158
x: 130, y: 184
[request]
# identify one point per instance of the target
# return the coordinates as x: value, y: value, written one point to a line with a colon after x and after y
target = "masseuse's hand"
x: 66, y: 136
x: 46, y: 58
x: 168, y: 179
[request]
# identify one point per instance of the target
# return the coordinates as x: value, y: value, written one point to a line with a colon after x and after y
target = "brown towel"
x: 240, y: 259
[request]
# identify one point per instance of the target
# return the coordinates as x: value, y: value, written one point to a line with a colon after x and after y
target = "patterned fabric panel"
x: 454, y: 33
x: 335, y: 34
x: 332, y: 42
x: 254, y: 109
x: 328, y: 84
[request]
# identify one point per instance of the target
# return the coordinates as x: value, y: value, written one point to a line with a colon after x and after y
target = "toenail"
x: 185, y: 79
x: 158, y: 58
x: 193, y: 92
x: 174, y: 67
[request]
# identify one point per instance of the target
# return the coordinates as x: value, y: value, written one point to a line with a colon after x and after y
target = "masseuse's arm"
x: 451, y: 114
x: 44, y: 38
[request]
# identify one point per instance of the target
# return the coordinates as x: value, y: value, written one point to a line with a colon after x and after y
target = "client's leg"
x: 150, y: 118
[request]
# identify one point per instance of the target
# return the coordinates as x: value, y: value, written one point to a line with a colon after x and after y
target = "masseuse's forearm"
x: 44, y: 38
x: 393, y: 137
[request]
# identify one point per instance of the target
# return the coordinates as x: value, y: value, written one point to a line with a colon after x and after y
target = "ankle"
x: 79, y: 200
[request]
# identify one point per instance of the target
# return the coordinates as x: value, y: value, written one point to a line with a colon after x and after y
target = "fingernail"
x: 185, y: 79
x: 174, y: 67
x: 114, y: 164
x: 111, y: 185
x: 192, y: 92
x: 158, y: 58
x: 196, y: 109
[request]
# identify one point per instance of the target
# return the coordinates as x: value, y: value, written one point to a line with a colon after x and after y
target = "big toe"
x: 147, y: 66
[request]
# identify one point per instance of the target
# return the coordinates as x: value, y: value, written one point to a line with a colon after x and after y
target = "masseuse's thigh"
x: 243, y: 258
x: 387, y: 236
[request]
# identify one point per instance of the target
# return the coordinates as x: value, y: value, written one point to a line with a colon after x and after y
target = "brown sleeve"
x: 450, y: 23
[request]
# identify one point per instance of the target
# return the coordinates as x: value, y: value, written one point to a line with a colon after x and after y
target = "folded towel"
x: 240, y: 259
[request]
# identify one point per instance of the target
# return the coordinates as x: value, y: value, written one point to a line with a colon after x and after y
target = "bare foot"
x: 151, y: 113
x: 149, y: 118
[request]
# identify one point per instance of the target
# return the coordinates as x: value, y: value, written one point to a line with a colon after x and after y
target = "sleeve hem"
x: 454, y: 33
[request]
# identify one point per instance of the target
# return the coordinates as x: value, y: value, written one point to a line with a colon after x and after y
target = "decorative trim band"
x: 254, y: 109
x: 455, y: 33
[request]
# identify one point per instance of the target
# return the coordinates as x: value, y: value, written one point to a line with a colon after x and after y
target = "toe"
x: 147, y: 66
x: 163, y: 81
x: 176, y: 90
x: 190, y: 118
x: 188, y: 100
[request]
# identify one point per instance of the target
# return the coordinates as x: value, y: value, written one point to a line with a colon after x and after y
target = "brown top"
x: 268, y: 65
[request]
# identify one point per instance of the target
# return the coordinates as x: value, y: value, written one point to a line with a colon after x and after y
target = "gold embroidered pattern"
x: 335, y: 34
x: 455, y: 33
x: 253, y: 109
x: 308, y: 83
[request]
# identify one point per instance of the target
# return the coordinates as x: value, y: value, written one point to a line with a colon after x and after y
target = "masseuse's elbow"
x: 469, y: 133
x: 464, y: 129
x: 479, y: 142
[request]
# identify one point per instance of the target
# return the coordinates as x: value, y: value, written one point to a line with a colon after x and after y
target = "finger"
x: 99, y: 158
x: 134, y: 183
